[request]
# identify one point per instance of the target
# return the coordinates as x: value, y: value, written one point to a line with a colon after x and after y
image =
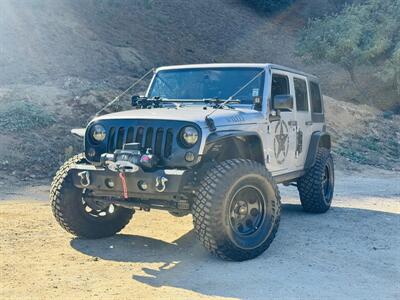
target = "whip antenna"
x: 246, y: 85
x: 230, y: 98
x: 124, y: 92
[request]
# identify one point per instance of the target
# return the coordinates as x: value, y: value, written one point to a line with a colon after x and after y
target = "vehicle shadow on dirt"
x: 340, y: 245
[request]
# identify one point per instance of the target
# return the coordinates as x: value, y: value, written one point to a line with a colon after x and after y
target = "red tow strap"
x: 124, y: 187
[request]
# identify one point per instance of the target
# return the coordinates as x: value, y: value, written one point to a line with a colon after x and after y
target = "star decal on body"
x: 281, y: 141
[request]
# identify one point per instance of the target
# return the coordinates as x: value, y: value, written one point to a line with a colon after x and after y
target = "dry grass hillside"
x: 363, y: 135
x: 62, y: 60
x: 55, y: 43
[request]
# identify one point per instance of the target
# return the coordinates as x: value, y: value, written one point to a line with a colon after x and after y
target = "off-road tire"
x: 311, y: 185
x: 211, y: 212
x: 179, y: 214
x: 66, y: 203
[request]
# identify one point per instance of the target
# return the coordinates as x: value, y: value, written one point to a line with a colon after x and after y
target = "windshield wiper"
x: 221, y: 102
x: 145, y: 102
x: 209, y: 121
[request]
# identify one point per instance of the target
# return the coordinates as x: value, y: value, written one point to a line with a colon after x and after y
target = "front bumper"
x: 99, y: 180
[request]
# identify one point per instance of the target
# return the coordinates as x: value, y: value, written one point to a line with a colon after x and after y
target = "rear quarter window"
x: 316, y: 99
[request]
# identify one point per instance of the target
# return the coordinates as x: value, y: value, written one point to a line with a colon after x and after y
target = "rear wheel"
x: 236, y: 211
x: 317, y: 185
x: 80, y: 216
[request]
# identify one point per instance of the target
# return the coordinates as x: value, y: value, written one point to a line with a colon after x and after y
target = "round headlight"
x: 189, y: 136
x: 98, y: 133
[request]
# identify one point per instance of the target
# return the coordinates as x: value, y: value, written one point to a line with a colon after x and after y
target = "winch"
x: 129, y: 159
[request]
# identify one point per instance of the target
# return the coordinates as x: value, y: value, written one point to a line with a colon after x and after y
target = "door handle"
x: 308, y: 123
x: 292, y: 123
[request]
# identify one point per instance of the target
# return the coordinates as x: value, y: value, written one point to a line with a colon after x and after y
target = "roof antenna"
x: 209, y: 121
x: 124, y: 92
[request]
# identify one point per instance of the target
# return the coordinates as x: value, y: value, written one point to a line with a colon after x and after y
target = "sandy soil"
x: 352, y: 252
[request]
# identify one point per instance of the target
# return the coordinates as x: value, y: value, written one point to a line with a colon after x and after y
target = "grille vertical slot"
x: 139, y: 135
x: 149, y: 138
x: 158, y: 141
x: 111, y: 146
x: 168, y: 143
x: 120, y: 138
x: 129, y: 135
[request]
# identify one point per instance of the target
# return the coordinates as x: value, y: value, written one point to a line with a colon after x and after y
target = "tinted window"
x: 280, y: 85
x: 316, y: 100
x: 201, y: 83
x: 300, y: 88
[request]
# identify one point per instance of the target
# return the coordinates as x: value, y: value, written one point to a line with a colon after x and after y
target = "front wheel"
x: 236, y: 211
x: 317, y: 185
x: 82, y: 217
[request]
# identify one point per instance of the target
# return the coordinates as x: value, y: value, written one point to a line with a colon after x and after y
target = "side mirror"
x: 283, y: 102
x: 134, y: 100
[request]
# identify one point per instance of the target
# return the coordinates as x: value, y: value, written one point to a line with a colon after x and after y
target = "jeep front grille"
x: 160, y: 140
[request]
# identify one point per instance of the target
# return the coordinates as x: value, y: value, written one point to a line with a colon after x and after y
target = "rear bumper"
x: 100, y: 178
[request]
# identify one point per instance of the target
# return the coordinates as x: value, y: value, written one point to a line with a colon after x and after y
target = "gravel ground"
x: 351, y: 252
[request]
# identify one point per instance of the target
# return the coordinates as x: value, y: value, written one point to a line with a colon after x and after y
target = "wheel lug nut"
x: 242, y: 210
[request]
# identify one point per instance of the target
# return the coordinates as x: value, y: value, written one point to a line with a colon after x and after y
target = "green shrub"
x: 370, y: 143
x: 269, y: 5
x: 365, y: 33
x: 23, y: 115
x: 353, y: 155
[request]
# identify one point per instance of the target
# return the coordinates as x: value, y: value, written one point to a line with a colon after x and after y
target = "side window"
x: 280, y: 85
x: 300, y: 88
x: 316, y: 99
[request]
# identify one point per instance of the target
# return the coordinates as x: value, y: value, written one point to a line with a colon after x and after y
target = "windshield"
x: 205, y: 83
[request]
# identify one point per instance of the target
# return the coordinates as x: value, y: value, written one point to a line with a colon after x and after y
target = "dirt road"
x: 352, y: 252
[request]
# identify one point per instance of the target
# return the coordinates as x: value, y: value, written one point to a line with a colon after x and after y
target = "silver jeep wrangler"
x: 213, y: 140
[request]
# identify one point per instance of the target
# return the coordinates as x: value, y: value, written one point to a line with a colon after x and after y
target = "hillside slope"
x: 50, y: 42
x: 364, y: 135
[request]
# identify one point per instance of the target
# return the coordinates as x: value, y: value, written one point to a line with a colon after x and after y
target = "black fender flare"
x: 318, y: 139
x: 221, y: 137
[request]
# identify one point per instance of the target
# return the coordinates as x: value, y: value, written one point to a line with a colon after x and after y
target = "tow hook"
x: 161, y: 184
x: 85, y: 178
